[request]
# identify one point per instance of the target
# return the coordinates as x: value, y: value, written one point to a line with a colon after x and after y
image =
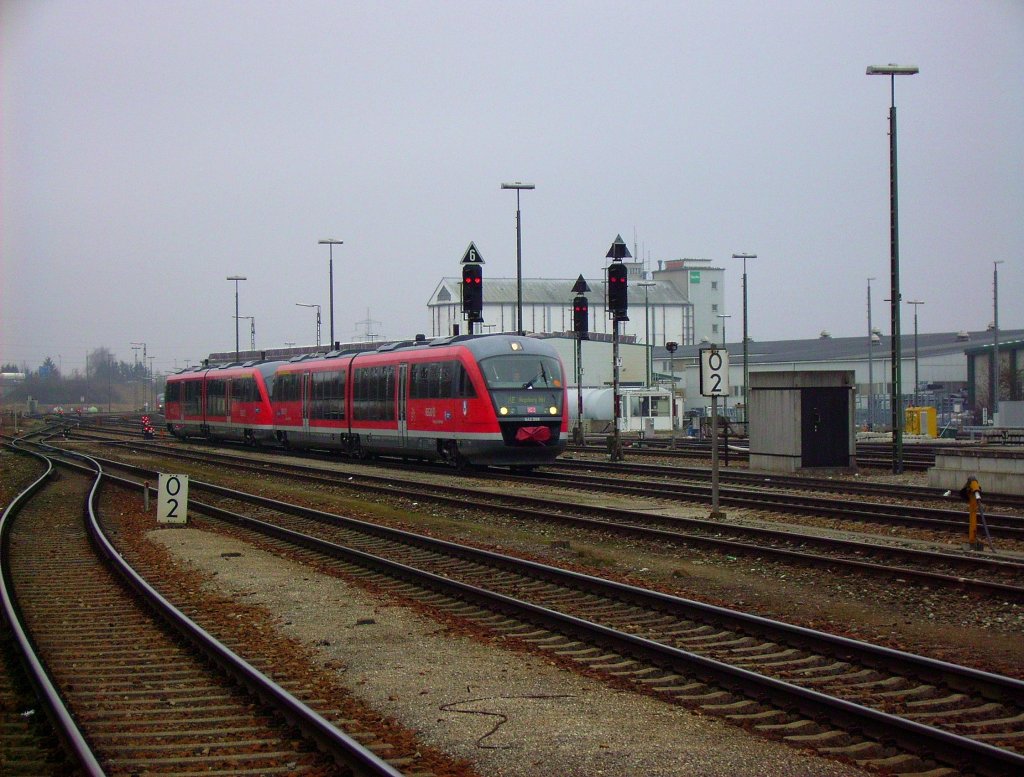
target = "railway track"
x: 891, y: 492
x: 869, y: 455
x: 771, y: 496
x: 876, y: 706
x: 898, y: 505
x: 984, y: 574
x: 130, y: 684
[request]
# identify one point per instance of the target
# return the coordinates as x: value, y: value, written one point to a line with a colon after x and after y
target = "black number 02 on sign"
x: 172, y: 499
x: 714, y: 372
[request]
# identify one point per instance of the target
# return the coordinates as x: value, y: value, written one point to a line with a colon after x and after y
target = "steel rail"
x: 60, y: 717
x: 782, y: 480
x: 332, y: 740
x: 759, y: 499
x: 915, y: 736
x: 549, y: 510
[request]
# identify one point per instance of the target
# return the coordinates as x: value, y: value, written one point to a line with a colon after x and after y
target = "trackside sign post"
x: 714, y: 383
x: 172, y: 499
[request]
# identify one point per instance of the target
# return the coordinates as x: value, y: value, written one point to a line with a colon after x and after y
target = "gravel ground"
x: 512, y: 715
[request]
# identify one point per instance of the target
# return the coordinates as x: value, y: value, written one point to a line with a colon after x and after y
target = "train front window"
x: 524, y: 385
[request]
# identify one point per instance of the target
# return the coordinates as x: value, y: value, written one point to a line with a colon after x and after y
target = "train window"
x: 373, y: 393
x: 522, y: 372
x: 216, y: 391
x: 328, y: 395
x: 286, y: 387
x: 193, y: 396
x: 524, y: 385
x: 244, y: 390
x: 419, y: 381
x: 172, y: 392
x: 440, y: 380
x: 462, y: 386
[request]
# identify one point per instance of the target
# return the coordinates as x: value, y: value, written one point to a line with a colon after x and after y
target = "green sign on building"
x: 694, y: 276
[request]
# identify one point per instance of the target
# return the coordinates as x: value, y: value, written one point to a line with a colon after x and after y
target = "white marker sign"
x: 714, y: 372
x: 172, y: 499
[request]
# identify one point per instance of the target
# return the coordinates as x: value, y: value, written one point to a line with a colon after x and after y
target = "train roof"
x: 264, y: 366
x: 481, y: 346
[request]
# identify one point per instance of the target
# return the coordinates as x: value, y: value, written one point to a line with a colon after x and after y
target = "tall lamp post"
x: 330, y: 241
x: 746, y: 361
x: 892, y: 71
x: 647, y: 330
x: 314, y: 305
x: 519, y: 186
x: 871, y: 364
x: 236, y: 279
x: 995, y: 338
x: 724, y: 317
x: 917, y: 379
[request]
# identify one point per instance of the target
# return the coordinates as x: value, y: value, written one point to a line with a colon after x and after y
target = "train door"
x: 306, y: 389
x: 403, y: 404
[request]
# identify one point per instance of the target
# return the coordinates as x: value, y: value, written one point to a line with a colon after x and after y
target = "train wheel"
x: 450, y: 453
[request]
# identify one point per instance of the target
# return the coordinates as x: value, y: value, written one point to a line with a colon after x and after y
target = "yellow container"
x: 922, y: 420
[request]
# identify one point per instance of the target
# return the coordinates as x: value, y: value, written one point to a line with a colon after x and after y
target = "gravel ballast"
x: 509, y: 713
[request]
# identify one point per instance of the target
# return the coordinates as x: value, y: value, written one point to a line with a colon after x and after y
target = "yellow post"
x: 971, y: 493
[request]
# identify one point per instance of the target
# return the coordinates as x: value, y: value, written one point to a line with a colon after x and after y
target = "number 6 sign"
x: 172, y: 499
x: 714, y: 372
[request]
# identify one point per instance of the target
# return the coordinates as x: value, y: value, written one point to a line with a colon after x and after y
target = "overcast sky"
x: 150, y: 149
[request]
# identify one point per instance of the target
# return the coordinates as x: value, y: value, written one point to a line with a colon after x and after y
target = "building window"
x: 714, y: 308
x: 714, y: 284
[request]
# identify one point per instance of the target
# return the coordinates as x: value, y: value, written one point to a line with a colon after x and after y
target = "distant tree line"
x: 106, y: 380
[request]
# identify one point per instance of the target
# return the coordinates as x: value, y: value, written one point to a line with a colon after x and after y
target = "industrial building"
x: 682, y: 301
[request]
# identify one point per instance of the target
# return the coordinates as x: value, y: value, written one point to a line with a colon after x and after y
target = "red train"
x: 492, y: 399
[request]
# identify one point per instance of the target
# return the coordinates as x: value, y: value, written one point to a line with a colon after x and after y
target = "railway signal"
x: 618, y: 293
x: 581, y: 317
x: 618, y: 304
x: 472, y: 286
x: 581, y: 325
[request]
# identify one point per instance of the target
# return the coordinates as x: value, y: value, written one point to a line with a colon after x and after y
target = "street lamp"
x: 917, y: 380
x: 647, y: 329
x: 871, y: 364
x: 892, y: 71
x: 746, y: 368
x: 314, y: 305
x: 995, y: 338
x: 724, y: 316
x: 330, y: 241
x: 236, y: 279
x: 519, y: 186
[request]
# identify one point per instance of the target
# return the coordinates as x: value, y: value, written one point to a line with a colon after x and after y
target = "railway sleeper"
x: 703, y: 699
x: 827, y: 738
x: 760, y: 716
x: 733, y: 708
x: 942, y: 704
x: 842, y: 681
x: 862, y: 750
x: 987, y: 725
x: 948, y: 715
x: 902, y: 763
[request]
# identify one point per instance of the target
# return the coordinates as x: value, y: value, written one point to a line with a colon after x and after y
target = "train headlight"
x: 553, y: 410
x: 504, y: 411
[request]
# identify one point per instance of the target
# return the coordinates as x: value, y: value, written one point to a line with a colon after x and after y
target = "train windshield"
x: 524, y: 384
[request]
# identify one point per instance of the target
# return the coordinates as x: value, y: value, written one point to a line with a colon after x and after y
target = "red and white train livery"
x: 493, y: 399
